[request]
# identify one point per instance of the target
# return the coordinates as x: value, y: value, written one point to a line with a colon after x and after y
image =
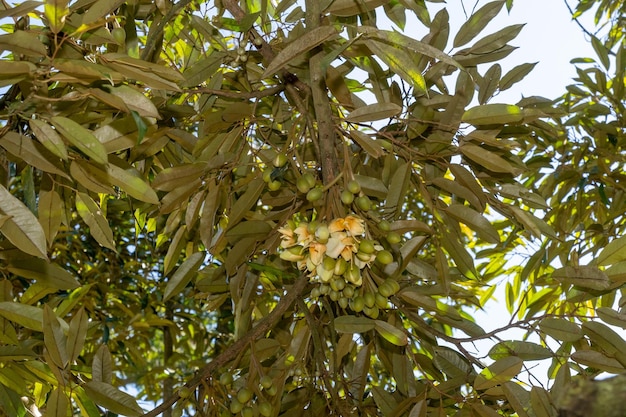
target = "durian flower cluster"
x: 331, y: 250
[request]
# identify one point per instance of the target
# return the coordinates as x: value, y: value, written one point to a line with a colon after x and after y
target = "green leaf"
x: 373, y: 112
x: 135, y: 101
x: 583, y: 276
x: 499, y: 372
x: 347, y: 8
x: 598, y: 360
x: 77, y: 334
x: 183, y: 275
x: 83, y: 139
x: 92, y: 215
x: 50, y: 212
x: 489, y: 83
x: 132, y: 183
x: 477, y: 22
x: 58, y: 405
x: 368, y: 144
x: 91, y: 177
x: 613, y: 253
x: 391, y: 333
x: 412, y: 46
x: 298, y: 47
x: 561, y: 329
x: 488, y: 159
x: 612, y: 317
x: 22, y: 228
x: 32, y: 153
x: 483, y: 411
x: 112, y: 399
x: 49, y: 274
x: 399, y: 62
x: 451, y: 362
x: 475, y: 221
x: 493, y: 114
x: 22, y: 42
x: 516, y: 74
x: 526, y: 351
x: 174, y: 177
x: 517, y: 397
x: 354, y: 324
x: 102, y: 365
x: 54, y: 339
x: 24, y: 315
x: 541, y: 402
x: 496, y: 40
x: 398, y: 188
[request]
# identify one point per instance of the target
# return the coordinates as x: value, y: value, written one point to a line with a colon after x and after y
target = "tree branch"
x: 240, y: 345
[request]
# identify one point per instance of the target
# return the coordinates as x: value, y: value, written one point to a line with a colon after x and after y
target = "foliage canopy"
x: 267, y: 208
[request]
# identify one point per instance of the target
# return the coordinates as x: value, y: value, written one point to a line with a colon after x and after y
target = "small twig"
x: 576, y: 19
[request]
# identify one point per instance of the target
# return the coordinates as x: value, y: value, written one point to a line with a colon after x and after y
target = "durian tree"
x: 282, y: 208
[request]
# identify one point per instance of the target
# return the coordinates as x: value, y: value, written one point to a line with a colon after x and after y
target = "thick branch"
x: 240, y: 345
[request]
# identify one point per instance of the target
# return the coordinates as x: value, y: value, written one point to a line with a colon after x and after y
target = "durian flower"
x: 340, y: 244
x: 304, y: 236
x: 353, y: 225
x: 287, y: 237
x: 316, y: 252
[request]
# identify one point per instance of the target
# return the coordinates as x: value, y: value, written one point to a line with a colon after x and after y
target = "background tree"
x: 282, y: 208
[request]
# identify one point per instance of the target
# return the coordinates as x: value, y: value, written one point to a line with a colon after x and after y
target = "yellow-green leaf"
x: 22, y: 228
x: 56, y: 12
x: 493, y: 114
x: 83, y: 139
x: 391, y: 333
